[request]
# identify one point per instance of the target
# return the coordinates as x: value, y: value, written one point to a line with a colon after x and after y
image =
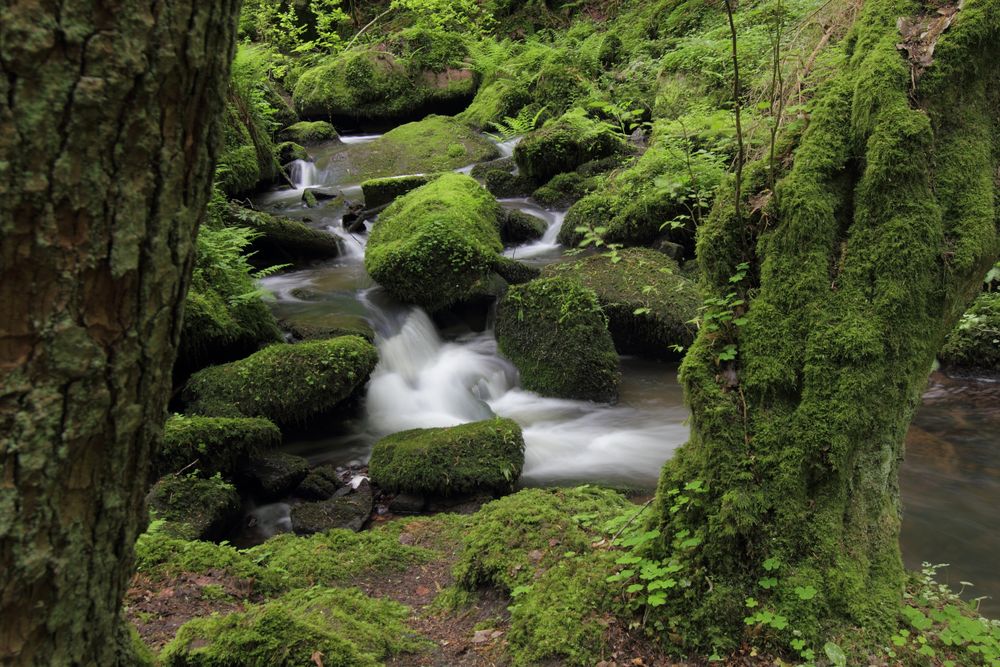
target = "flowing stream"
x: 429, y: 376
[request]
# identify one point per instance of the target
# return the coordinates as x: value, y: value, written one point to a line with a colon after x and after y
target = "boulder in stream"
x: 649, y: 304
x: 383, y: 191
x: 282, y: 240
x: 518, y: 227
x: 212, y: 445
x: 350, y: 511
x: 286, y: 383
x: 564, y: 144
x: 438, y: 245
x: 274, y: 474
x: 320, y: 484
x: 455, y: 460
x: 195, y: 507
x: 309, y: 132
x: 554, y: 331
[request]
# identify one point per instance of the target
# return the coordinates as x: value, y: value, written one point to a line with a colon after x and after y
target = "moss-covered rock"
x: 289, y: 151
x: 437, y: 245
x: 502, y: 98
x: 649, y: 304
x: 383, y: 191
x: 285, y: 383
x: 514, y: 537
x: 514, y: 272
x: 481, y: 456
x: 434, y: 144
x: 505, y: 185
x: 375, y: 85
x: 563, y: 190
x: 555, y: 332
x: 344, y: 626
x: 332, y: 326
x: 321, y: 483
x: 309, y: 132
x: 518, y: 227
x: 564, y: 144
x: 282, y: 240
x: 214, y: 444
x: 200, y: 508
x: 975, y: 342
x: 272, y: 475
x: 348, y: 512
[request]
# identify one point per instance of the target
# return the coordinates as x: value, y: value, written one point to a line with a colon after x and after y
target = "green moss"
x: 649, y: 305
x: 345, y: 627
x: 284, y: 383
x: 563, y: 190
x: 514, y: 538
x: 975, y: 342
x: 558, y: 87
x: 308, y: 132
x: 199, y: 507
x: 369, y: 85
x: 131, y: 650
x: 271, y: 475
x: 289, y: 151
x: 351, y: 511
x: 282, y: 240
x: 611, y: 51
x: 518, y: 227
x: 321, y: 483
x: 434, y: 144
x: 436, y: 245
x: 564, y: 144
x: 481, y: 456
x: 504, y: 184
x: 336, y: 556
x: 383, y: 191
x: 500, y: 99
x: 215, y: 444
x: 561, y: 615
x: 554, y: 331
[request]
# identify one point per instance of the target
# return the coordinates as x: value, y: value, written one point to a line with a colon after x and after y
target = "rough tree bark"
x: 885, y: 226
x: 107, y: 143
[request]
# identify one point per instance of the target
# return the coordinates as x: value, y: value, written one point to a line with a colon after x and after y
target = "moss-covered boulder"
x: 649, y: 304
x: 975, y: 343
x: 375, y: 85
x: 213, y: 444
x: 564, y: 144
x: 286, y: 383
x: 555, y: 332
x: 309, y: 132
x: 348, y: 512
x: 506, y: 185
x: 518, y: 227
x: 437, y: 245
x: 196, y: 507
x: 343, y: 626
x: 500, y: 99
x: 271, y: 475
x: 320, y: 484
x: 514, y: 537
x: 434, y: 144
x: 326, y: 326
x: 289, y: 151
x: 282, y: 240
x: 481, y: 456
x: 380, y: 192
x: 563, y: 190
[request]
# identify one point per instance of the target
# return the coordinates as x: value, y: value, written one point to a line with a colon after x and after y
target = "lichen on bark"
x: 108, y: 138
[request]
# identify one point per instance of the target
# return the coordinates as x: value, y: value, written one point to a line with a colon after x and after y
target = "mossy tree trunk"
x: 107, y: 143
x: 867, y: 253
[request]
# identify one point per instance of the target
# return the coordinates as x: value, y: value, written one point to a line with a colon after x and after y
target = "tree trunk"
x: 869, y: 251
x: 107, y: 143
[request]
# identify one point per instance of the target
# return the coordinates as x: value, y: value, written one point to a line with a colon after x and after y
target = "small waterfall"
x: 303, y: 174
x: 352, y: 246
x: 506, y: 148
x: 359, y: 138
x: 548, y: 243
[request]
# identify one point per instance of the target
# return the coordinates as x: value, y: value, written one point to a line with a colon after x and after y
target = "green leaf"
x: 835, y: 654
x: 805, y: 592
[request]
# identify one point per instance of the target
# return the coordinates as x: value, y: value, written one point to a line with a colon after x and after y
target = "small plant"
x: 527, y: 120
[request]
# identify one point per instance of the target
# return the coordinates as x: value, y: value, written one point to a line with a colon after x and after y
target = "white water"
x: 547, y: 245
x: 303, y: 174
x: 359, y: 138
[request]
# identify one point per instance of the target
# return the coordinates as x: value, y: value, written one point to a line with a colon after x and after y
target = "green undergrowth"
x: 480, y: 456
x: 339, y: 627
x: 554, y: 331
x: 195, y: 506
x: 285, y: 383
x: 564, y: 144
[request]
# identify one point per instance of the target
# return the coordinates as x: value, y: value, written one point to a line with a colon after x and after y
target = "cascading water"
x: 303, y: 174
